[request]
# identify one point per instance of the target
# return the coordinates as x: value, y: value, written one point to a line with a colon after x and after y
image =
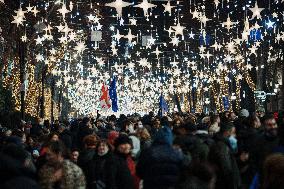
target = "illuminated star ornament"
x: 2, y: 1
x: 168, y: 7
x: 145, y: 5
x: 178, y: 29
x: 80, y: 47
x: 256, y: 11
x: 63, y: 11
x: 118, y: 5
x: 270, y: 24
x: 129, y: 36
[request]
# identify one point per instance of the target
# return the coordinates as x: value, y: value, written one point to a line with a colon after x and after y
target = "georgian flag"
x: 105, y: 99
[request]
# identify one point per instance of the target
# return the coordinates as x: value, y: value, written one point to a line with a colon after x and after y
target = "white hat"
x: 244, y: 113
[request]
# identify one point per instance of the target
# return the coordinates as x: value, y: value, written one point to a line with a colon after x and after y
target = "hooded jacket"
x: 160, y: 165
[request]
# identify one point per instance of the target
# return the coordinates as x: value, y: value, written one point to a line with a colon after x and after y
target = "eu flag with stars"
x: 113, y: 95
x: 163, y: 105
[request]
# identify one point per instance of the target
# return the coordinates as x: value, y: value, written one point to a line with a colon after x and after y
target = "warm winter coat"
x: 119, y: 174
x: 73, y: 177
x: 222, y: 157
x: 85, y: 157
x: 66, y: 138
x: 98, y: 171
x: 160, y: 165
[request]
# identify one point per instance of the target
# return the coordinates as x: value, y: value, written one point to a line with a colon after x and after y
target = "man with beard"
x: 264, y: 145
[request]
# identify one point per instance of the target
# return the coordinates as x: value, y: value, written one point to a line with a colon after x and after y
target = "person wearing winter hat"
x: 122, y: 166
x: 244, y: 113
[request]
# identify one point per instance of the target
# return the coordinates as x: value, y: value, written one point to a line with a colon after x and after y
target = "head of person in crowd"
x: 20, y: 155
x: 100, y: 123
x: 215, y: 119
x: 46, y: 124
x: 164, y: 137
x: 199, y: 176
x: 53, y: 137
x: 112, y: 136
x: 86, y: 122
x: 228, y: 131
x: 156, y: 123
x: 143, y: 134
x: 273, y: 172
x: 244, y: 113
x: 253, y: 122
x: 123, y: 145
x: 270, y: 126
x: 90, y: 141
x: 75, y: 155
x: 103, y: 148
x: 177, y: 122
x: 20, y: 134
x: 232, y: 116
x: 260, y: 112
x: 61, y: 128
x: 40, y: 121
x: 127, y: 127
x: 55, y: 152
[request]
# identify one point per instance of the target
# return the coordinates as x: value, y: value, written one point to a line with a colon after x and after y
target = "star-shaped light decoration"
x: 151, y: 41
x: 39, y: 57
x: 63, y: 11
x: 38, y: 40
x: 145, y: 5
x: 191, y: 35
x: 63, y: 39
x: 52, y: 51
x: 253, y: 49
x: 228, y: 23
x: 35, y: 11
x: 24, y: 38
x: 216, y: 2
x: 168, y: 8
x: 72, y: 36
x: 129, y: 36
x: 2, y: 1
x: 133, y: 21
x: 121, y: 22
x: 195, y: 14
x: 100, y: 61
x: 204, y: 19
x: 80, y: 47
x: 118, y: 5
x: 29, y: 8
x: 157, y: 52
x: 256, y: 11
x: 91, y: 17
x: 117, y: 36
x: 178, y: 29
x: 175, y: 41
x: 143, y: 62
x: 269, y: 24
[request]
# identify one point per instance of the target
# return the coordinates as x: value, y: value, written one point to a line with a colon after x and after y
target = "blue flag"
x: 113, y: 95
x: 163, y: 105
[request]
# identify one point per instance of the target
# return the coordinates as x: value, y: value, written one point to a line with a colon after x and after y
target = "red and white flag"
x: 105, y: 99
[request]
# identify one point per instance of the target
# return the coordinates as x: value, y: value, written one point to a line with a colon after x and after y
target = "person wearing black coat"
x: 99, y: 170
x: 85, y: 129
x: 119, y: 174
x: 65, y: 136
x: 222, y: 157
x: 160, y: 165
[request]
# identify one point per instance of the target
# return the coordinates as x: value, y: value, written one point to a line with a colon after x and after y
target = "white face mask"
x: 140, y: 125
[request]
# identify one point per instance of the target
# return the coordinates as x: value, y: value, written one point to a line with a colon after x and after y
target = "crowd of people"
x: 177, y: 151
